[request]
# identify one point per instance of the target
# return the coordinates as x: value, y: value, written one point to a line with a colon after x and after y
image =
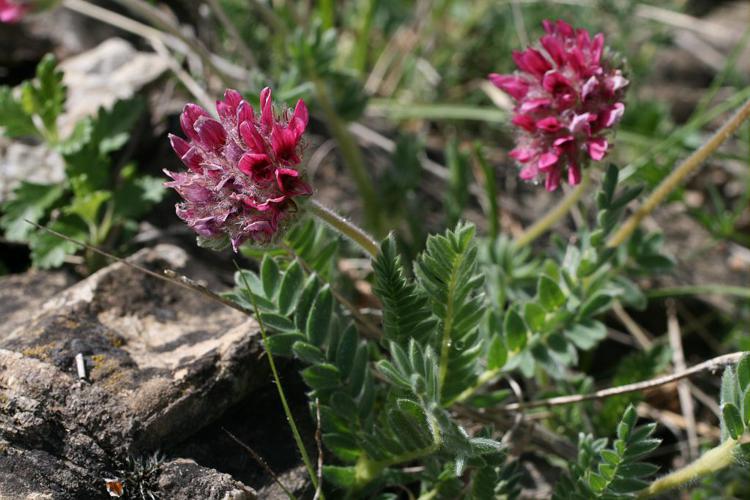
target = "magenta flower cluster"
x: 568, y: 95
x: 12, y: 11
x: 243, y: 172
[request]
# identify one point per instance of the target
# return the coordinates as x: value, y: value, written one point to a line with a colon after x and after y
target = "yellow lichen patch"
x: 107, y: 371
x: 115, y: 340
x: 40, y: 352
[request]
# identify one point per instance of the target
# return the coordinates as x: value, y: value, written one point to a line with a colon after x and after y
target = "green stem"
x: 711, y: 461
x: 352, y: 155
x: 679, y: 174
x: 445, y: 344
x: 709, y: 289
x: 554, y: 215
x: 345, y: 227
x: 290, y: 418
x: 468, y: 392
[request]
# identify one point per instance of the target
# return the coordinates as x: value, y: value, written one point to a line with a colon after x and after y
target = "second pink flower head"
x: 243, y: 172
x: 12, y: 11
x: 567, y: 97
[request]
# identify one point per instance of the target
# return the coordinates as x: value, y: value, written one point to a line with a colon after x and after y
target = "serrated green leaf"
x: 78, y: 138
x: 14, y: 121
x: 87, y: 206
x: 29, y: 202
x: 732, y: 420
x: 45, y: 95
x: 137, y: 196
x: 48, y: 250
x: 319, y: 320
x: 551, y: 297
x: 291, y: 288
x: 322, y: 376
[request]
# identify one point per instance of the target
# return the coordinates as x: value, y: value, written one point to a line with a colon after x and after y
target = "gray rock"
x: 163, y: 362
x: 27, y: 162
x: 111, y: 71
x: 185, y: 479
x: 95, y: 79
x: 22, y: 293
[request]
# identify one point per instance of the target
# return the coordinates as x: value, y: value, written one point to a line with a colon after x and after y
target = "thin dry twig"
x: 675, y: 419
x: 683, y: 388
x: 509, y: 437
x: 158, y: 40
x: 319, y: 443
x: 168, y: 275
x: 644, y: 340
x: 260, y: 461
x: 710, y: 365
x: 164, y: 23
x: 538, y: 436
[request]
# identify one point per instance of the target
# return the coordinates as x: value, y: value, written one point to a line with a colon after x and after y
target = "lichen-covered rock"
x: 162, y: 363
x: 186, y: 480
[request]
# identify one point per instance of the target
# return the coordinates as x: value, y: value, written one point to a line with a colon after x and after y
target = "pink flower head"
x: 12, y: 11
x: 242, y: 174
x: 568, y: 95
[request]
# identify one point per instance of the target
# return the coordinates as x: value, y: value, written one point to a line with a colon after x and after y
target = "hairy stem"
x: 711, y: 461
x: 351, y: 154
x: 553, y: 216
x: 345, y: 227
x: 287, y: 411
x: 679, y: 174
x: 445, y: 344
